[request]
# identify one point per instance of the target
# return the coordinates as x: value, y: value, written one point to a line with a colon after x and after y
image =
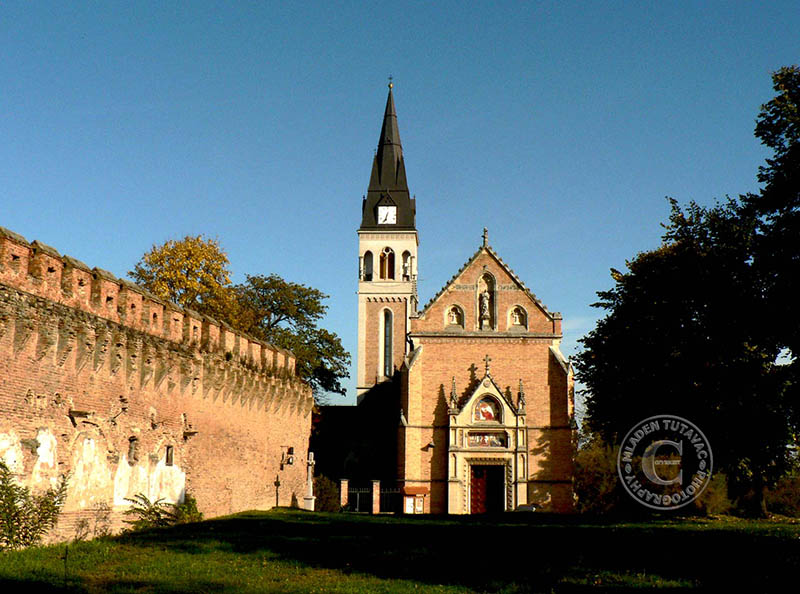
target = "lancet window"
x: 387, y: 264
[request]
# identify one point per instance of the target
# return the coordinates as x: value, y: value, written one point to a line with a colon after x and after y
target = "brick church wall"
x: 101, y: 380
x: 449, y: 352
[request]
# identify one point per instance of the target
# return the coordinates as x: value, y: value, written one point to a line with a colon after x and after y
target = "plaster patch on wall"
x: 11, y: 452
x: 122, y: 478
x: 167, y: 482
x: 90, y: 481
x: 45, y: 470
x: 129, y: 481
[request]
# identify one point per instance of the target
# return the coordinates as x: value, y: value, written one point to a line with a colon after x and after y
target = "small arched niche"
x: 454, y: 317
x: 517, y: 319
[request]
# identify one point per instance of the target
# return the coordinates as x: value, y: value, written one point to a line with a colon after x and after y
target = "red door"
x: 487, y: 489
x: 477, y: 490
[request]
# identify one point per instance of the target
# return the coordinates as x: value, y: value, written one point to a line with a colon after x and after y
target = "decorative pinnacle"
x: 485, y: 237
x: 391, y: 84
x: 487, y: 359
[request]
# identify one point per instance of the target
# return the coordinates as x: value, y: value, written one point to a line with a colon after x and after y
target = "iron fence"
x: 359, y: 499
x: 391, y: 501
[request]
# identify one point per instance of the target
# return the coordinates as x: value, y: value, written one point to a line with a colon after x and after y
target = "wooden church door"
x: 487, y: 487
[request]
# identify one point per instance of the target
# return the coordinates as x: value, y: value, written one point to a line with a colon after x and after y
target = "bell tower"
x: 387, y: 261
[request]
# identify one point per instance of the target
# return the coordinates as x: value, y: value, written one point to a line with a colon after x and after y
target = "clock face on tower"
x: 387, y: 215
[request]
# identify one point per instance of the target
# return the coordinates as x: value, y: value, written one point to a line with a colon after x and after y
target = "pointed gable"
x: 509, y: 306
x: 498, y: 406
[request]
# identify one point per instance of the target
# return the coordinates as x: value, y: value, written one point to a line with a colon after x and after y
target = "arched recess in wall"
x: 517, y: 318
x: 91, y: 477
x: 406, y: 265
x: 454, y: 317
x: 387, y: 343
x: 367, y: 272
x: 487, y: 302
x: 387, y: 264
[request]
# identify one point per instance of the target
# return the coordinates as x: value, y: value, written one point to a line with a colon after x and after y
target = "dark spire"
x: 388, y: 170
x: 387, y: 183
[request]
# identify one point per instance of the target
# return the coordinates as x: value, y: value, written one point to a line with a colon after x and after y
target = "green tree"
x: 191, y: 272
x: 286, y: 315
x: 684, y: 335
x: 777, y: 253
x: 694, y: 328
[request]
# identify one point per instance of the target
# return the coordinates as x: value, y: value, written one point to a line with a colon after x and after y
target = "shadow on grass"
x: 509, y: 553
x: 517, y: 552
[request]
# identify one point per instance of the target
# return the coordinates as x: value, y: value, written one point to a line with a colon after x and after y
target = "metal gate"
x: 391, y: 501
x: 359, y: 499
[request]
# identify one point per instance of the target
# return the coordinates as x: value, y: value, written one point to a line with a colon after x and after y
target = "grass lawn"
x: 294, y: 551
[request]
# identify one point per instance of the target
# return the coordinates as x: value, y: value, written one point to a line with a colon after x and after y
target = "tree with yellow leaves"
x: 191, y: 272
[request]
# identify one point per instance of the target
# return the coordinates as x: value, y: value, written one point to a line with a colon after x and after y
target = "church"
x: 469, y: 399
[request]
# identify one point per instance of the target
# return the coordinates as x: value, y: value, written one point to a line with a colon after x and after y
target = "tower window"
x: 170, y: 456
x: 367, y: 266
x: 388, y: 368
x: 387, y: 264
x: 406, y: 266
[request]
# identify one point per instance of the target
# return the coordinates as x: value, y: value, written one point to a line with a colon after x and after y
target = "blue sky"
x: 559, y: 126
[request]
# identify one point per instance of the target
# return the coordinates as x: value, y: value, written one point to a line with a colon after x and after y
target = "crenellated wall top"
x: 39, y: 269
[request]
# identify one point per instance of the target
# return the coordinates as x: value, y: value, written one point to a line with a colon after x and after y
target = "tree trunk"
x: 755, y: 502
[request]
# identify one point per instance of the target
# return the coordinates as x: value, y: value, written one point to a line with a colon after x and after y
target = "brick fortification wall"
x: 132, y: 395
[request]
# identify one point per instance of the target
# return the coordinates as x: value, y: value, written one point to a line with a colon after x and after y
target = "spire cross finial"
x: 391, y: 84
x: 487, y: 359
x: 485, y: 237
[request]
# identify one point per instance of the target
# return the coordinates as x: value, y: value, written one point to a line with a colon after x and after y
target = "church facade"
x: 483, y: 395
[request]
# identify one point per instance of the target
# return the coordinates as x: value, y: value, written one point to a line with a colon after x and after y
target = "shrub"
x: 158, y: 514
x: 327, y: 493
x: 187, y: 511
x: 149, y: 514
x: 596, y: 480
x: 714, y: 500
x: 25, y: 518
x: 784, y: 497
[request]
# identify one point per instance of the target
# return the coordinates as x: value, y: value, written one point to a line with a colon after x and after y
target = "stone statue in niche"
x: 486, y: 302
x: 454, y: 316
